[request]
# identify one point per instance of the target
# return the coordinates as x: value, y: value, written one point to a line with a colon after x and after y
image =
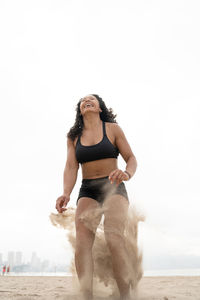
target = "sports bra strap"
x: 104, y: 128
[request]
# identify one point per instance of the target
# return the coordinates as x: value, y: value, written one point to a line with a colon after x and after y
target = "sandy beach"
x: 66, y: 288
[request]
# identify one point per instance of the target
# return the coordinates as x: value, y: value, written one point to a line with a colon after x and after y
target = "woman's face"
x: 89, y: 103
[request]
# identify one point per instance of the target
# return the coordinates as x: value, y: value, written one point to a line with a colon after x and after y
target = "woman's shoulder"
x: 115, y: 130
x: 72, y: 143
x: 113, y: 126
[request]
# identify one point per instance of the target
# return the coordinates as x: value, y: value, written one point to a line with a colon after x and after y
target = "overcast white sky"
x: 142, y: 58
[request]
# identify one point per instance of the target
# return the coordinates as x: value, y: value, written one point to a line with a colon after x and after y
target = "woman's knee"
x: 114, y: 239
x: 84, y: 238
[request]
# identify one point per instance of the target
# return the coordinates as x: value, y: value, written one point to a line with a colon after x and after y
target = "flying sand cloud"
x: 102, y: 258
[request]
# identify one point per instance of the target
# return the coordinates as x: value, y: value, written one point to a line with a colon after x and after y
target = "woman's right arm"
x: 69, y: 176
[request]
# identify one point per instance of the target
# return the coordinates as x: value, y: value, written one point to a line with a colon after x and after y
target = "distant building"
x: 11, y: 258
x: 18, y: 258
x: 35, y: 261
x: 45, y: 265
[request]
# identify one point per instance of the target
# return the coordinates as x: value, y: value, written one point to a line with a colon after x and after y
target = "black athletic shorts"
x: 99, y: 188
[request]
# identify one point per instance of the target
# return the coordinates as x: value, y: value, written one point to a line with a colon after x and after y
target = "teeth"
x: 88, y: 105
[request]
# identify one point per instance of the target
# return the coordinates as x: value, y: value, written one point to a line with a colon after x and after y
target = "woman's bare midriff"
x: 98, y: 168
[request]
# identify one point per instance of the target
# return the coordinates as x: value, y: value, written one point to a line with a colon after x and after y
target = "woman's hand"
x: 118, y: 176
x: 62, y: 201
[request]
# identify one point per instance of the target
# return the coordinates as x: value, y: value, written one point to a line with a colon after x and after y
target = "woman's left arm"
x: 127, y: 154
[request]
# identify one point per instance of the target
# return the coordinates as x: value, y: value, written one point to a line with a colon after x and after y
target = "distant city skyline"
x: 15, y: 258
x: 15, y: 261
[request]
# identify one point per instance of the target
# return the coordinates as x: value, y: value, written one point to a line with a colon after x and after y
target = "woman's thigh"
x: 115, y: 215
x: 85, y: 221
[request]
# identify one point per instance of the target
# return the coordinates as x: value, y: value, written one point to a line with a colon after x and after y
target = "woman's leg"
x: 114, y: 225
x: 84, y: 242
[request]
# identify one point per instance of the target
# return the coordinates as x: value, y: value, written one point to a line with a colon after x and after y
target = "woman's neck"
x: 91, y: 121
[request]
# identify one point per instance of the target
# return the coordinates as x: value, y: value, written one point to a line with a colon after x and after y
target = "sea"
x: 147, y: 273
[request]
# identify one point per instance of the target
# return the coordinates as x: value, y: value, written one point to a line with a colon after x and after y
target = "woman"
x: 95, y: 141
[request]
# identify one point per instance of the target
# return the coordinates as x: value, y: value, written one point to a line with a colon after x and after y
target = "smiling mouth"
x: 88, y: 105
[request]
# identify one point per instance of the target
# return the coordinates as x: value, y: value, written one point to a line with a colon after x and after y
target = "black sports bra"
x: 104, y: 149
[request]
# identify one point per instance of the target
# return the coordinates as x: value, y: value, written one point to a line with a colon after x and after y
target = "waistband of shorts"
x: 94, y: 179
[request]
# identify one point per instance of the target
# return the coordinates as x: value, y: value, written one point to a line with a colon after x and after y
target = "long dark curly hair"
x: 106, y: 115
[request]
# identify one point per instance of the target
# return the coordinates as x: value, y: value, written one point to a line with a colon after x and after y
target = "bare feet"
x: 125, y: 297
x: 87, y: 295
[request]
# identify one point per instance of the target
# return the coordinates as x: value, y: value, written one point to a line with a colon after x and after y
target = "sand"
x: 142, y: 288
x: 102, y: 257
x: 65, y: 288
